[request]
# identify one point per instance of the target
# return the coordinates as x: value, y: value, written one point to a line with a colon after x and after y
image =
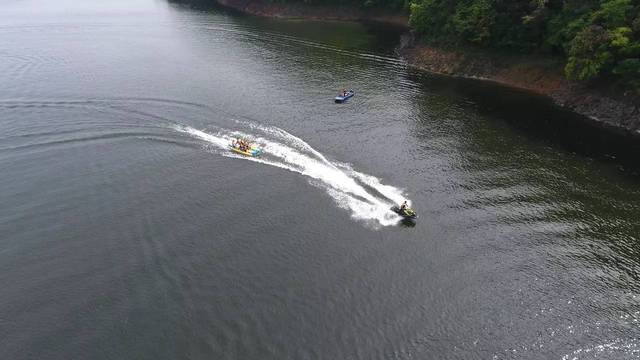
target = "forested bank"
x: 599, y: 40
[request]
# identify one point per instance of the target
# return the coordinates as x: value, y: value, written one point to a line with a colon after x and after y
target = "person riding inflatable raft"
x: 244, y: 147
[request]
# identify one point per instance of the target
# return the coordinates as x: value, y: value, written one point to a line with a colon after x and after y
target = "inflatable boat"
x: 250, y: 150
x: 344, y: 97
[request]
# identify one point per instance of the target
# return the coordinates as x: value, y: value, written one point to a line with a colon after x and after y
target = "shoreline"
x: 316, y: 12
x: 541, y: 75
x: 608, y: 108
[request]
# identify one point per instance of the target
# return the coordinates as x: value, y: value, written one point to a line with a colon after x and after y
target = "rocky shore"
x: 609, y: 107
x: 315, y: 12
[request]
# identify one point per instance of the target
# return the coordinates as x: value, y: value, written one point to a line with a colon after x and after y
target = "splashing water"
x: 362, y: 194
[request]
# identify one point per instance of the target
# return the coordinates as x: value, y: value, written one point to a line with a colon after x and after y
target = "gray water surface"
x: 129, y: 231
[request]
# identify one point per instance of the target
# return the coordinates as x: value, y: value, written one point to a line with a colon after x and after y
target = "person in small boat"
x: 404, y: 206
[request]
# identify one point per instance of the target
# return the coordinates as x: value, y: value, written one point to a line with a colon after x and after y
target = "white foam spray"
x: 363, y: 195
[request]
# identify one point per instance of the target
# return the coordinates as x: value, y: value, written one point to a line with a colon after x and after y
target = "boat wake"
x: 363, y: 195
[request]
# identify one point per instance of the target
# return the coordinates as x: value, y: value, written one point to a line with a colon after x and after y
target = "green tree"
x: 473, y: 21
x: 589, y: 53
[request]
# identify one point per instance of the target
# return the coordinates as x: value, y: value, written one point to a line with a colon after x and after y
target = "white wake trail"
x: 291, y: 139
x: 364, y: 195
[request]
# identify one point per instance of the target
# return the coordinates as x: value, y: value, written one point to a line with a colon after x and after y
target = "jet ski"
x: 344, y: 97
x: 248, y: 150
x: 408, y: 214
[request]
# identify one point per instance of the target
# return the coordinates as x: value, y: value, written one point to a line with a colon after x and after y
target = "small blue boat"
x: 344, y: 97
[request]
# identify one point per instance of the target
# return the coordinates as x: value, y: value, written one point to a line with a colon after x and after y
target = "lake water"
x: 129, y: 231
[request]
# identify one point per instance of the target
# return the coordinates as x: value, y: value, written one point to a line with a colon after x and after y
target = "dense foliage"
x: 599, y: 38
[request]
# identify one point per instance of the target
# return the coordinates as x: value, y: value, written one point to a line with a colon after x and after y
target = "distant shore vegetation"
x: 598, y: 39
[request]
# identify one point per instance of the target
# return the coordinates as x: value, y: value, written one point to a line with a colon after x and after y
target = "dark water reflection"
x: 538, y: 118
